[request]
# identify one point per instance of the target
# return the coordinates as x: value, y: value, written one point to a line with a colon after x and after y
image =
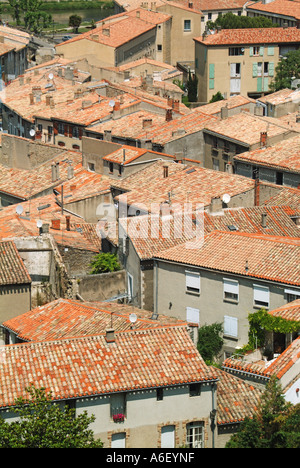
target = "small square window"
x: 159, y: 394
x: 195, y: 389
x: 91, y: 167
x: 187, y: 25
x: 159, y: 47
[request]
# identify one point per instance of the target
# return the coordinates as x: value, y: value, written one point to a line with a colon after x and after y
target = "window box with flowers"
x: 119, y: 417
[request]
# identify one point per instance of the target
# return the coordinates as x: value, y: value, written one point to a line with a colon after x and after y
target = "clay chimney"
x: 169, y: 116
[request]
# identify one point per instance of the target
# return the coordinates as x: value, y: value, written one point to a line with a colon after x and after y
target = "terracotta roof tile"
x: 290, y: 311
x: 81, y: 367
x: 251, y: 36
x: 66, y: 318
x: 269, y: 258
x: 236, y: 400
x: 284, y: 155
x: 12, y: 268
x: 278, y: 366
x: 279, y: 7
x: 246, y: 128
x: 185, y: 184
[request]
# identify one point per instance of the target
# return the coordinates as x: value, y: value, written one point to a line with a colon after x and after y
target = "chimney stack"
x: 68, y: 223
x: 166, y: 171
x: 169, y: 116
x: 110, y: 335
x: 264, y: 220
x: 263, y: 139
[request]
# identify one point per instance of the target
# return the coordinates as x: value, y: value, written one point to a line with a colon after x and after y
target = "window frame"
x: 231, y: 323
x: 185, y: 28
x: 194, y: 438
x: 235, y: 286
x: 189, y: 289
x: 257, y: 304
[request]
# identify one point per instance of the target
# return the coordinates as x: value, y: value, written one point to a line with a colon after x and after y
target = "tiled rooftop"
x: 89, y: 366
x: 232, y: 102
x: 237, y: 399
x: 255, y: 256
x: 25, y: 183
x: 251, y: 36
x: 279, y: 7
x: 122, y: 28
x: 290, y: 311
x: 246, y: 128
x: 285, y: 196
x: 284, y: 155
x: 278, y: 220
x: 66, y: 318
x: 184, y: 184
x: 46, y: 209
x: 282, y: 96
x: 278, y: 366
x: 12, y: 268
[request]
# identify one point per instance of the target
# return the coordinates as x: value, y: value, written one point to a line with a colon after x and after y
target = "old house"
x: 15, y: 282
x: 240, y: 61
x: 247, y: 278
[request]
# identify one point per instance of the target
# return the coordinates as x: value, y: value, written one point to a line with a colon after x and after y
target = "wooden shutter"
x: 261, y: 51
x: 211, y: 70
x: 270, y: 50
x: 254, y: 69
x: 259, y: 84
x: 55, y: 128
x: 251, y: 51
x: 271, y: 68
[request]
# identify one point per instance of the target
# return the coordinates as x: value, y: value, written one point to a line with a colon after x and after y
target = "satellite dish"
x: 226, y: 198
x: 19, y: 209
x: 133, y: 318
x: 32, y: 132
x: 51, y: 76
x: 111, y: 103
x: 39, y: 223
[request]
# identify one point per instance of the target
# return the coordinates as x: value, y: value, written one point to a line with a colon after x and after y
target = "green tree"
x: 104, y: 263
x: 75, y: 22
x: 276, y: 424
x: 192, y: 87
x: 210, y: 341
x: 43, y: 424
x: 30, y: 11
x: 288, y: 68
x: 231, y: 21
x: 217, y: 97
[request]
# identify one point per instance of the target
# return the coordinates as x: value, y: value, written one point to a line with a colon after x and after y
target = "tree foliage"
x: 217, y: 97
x: 276, y: 424
x: 75, y: 22
x: 192, y: 87
x: 30, y: 11
x: 210, y: 342
x: 288, y: 68
x: 43, y: 424
x: 231, y: 21
x: 104, y: 263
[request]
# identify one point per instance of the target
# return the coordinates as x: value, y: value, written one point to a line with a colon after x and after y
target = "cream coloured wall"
x: 214, y: 65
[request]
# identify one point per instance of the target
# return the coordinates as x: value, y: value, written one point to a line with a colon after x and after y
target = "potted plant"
x: 119, y: 417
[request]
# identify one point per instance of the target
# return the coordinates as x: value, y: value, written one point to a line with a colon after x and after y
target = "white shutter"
x: 231, y: 286
x: 168, y: 437
x: 192, y: 315
x: 292, y: 291
x: 230, y: 326
x: 118, y: 440
x: 192, y: 281
x: 261, y: 294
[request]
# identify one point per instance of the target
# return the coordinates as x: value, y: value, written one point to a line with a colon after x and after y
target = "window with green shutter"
x: 266, y: 84
x: 261, y: 51
x: 211, y: 83
x: 251, y: 52
x: 271, y: 68
x: 270, y: 50
x: 211, y: 70
x: 254, y: 69
x: 259, y: 84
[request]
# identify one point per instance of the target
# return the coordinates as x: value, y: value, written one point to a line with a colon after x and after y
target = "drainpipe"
x: 213, y: 415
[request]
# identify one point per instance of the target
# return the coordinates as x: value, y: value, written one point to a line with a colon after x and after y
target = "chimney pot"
x: 110, y: 335
x: 166, y: 171
x: 169, y: 116
x: 263, y: 139
x: 264, y: 220
x: 68, y: 223
x: 55, y: 224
